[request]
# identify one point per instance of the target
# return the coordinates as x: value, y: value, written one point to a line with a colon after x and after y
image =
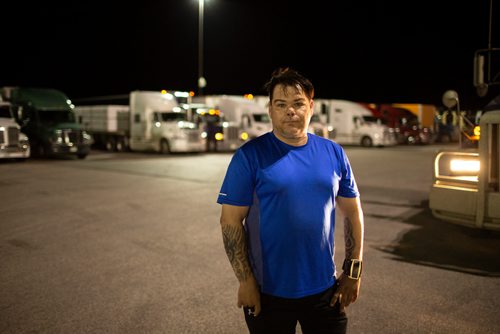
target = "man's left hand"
x: 346, y: 292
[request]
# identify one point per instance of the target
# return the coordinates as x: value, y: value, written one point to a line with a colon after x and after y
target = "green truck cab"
x: 48, y: 119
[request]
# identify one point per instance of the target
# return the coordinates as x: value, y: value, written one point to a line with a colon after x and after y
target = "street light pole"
x: 201, y: 80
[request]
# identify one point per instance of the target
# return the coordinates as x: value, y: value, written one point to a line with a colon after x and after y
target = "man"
x: 278, y: 201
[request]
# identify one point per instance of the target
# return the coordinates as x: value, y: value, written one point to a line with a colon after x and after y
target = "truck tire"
x: 120, y: 144
x: 366, y: 142
x: 110, y: 144
x: 164, y: 147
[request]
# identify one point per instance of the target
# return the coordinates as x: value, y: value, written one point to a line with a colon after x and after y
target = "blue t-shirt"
x: 291, y: 193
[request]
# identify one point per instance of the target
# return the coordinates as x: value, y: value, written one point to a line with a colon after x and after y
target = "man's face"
x: 290, y: 112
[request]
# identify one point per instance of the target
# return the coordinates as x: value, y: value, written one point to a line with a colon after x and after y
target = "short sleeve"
x: 347, y: 187
x: 238, y: 186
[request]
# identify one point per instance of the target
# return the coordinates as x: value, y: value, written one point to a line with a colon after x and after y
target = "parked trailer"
x: 109, y: 125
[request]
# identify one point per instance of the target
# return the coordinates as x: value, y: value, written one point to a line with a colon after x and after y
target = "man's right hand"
x: 249, y: 295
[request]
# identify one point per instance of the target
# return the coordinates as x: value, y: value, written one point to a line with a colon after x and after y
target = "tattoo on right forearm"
x: 235, y: 244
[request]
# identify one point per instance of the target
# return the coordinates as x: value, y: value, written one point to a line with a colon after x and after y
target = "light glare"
x: 460, y: 165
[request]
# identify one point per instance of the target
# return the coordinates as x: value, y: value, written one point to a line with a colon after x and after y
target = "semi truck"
x: 13, y: 143
x: 47, y: 117
x: 350, y: 123
x: 405, y: 124
x: 221, y: 135
x: 466, y: 180
x: 150, y: 121
x: 245, y: 118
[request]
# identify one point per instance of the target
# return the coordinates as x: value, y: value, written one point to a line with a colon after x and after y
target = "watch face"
x: 356, y: 269
x: 353, y: 268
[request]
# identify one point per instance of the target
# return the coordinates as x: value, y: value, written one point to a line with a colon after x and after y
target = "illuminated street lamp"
x: 201, y: 80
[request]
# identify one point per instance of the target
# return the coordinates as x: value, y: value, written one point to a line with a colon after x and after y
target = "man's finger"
x: 257, y: 309
x: 335, y: 298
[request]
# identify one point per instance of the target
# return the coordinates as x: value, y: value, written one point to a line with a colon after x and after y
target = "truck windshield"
x: 262, y: 118
x: 56, y: 116
x: 173, y: 116
x: 370, y: 119
x: 5, y: 112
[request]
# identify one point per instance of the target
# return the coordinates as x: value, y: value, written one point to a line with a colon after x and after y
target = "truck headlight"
x: 457, y: 166
x: 464, y: 166
x: 219, y: 136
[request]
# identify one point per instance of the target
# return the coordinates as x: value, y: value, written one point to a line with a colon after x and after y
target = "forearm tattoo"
x: 235, y: 244
x: 349, y: 241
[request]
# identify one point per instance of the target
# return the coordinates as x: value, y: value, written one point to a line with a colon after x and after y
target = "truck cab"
x: 160, y: 124
x: 405, y: 124
x: 13, y: 143
x: 250, y: 119
x: 350, y: 123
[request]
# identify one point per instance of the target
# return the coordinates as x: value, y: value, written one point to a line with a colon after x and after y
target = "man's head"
x: 290, y: 105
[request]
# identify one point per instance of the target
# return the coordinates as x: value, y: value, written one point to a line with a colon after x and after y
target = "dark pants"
x: 314, y: 313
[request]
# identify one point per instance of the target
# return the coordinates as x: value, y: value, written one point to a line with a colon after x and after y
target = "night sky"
x: 373, y: 51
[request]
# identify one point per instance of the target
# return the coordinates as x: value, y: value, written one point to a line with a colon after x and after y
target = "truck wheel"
x: 81, y: 156
x: 366, y: 142
x: 120, y: 145
x: 110, y: 144
x: 164, y: 147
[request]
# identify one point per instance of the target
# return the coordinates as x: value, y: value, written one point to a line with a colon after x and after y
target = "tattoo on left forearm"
x: 349, y: 241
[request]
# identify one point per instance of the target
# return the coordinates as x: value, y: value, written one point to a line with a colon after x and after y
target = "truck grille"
x: 12, y: 138
x: 232, y: 133
x: 69, y: 136
x: 193, y: 136
x: 389, y: 136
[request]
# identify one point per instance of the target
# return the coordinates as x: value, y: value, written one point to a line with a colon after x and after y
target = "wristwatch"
x: 353, y: 268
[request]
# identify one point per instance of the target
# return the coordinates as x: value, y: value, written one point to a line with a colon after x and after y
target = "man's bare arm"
x: 235, y: 243
x: 350, y: 208
x: 234, y: 238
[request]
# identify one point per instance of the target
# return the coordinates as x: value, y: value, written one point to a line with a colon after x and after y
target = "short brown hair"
x: 286, y: 76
